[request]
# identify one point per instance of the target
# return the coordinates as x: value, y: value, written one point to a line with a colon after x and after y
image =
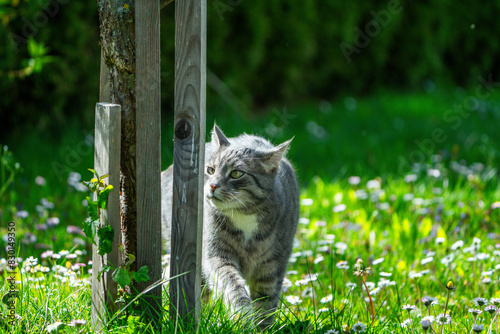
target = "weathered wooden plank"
x: 104, y: 89
x: 189, y: 155
x: 107, y: 161
x: 117, y: 39
x: 147, y: 29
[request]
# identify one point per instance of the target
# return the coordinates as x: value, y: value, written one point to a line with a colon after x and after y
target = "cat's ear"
x: 273, y: 156
x: 218, y: 138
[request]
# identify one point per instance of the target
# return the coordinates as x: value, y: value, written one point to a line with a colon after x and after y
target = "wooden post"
x: 107, y: 161
x: 104, y: 89
x: 148, y: 124
x: 189, y: 156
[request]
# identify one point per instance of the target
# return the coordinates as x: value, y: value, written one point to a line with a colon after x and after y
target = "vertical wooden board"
x: 104, y: 89
x: 147, y: 25
x: 189, y: 155
x: 107, y: 161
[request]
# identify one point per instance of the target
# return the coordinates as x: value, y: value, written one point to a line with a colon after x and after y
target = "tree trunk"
x: 117, y: 37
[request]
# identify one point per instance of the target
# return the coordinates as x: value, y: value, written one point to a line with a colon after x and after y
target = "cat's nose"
x: 213, y: 186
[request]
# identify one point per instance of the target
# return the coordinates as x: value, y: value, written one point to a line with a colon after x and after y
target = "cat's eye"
x: 210, y: 170
x: 236, y: 174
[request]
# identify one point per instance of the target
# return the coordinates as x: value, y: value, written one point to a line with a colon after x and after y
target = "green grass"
x: 407, y: 229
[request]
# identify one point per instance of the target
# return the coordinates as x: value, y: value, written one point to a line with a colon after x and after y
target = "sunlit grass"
x: 414, y: 235
x: 434, y: 225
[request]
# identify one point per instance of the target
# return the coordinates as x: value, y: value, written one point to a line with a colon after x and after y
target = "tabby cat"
x: 251, y: 210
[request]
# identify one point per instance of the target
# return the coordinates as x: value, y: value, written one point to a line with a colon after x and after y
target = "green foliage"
x: 124, y: 276
x: 44, y: 47
x: 133, y: 324
x: 8, y: 169
x: 105, y: 235
x: 93, y: 224
x: 121, y: 276
x: 141, y: 275
x: 265, y: 52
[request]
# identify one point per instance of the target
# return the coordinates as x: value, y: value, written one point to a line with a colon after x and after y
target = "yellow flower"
x: 450, y: 285
x: 126, y: 6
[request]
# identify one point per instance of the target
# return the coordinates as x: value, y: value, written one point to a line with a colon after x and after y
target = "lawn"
x: 399, y: 228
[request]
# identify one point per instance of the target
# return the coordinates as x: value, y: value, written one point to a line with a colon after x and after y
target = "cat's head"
x: 241, y: 172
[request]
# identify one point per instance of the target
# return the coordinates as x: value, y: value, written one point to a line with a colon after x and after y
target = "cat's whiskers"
x: 245, y: 207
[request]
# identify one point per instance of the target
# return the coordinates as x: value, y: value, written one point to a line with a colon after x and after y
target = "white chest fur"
x: 248, y: 224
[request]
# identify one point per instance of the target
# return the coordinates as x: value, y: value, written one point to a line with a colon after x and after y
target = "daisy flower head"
x: 443, y: 319
x: 293, y: 300
x: 77, y: 323
x: 491, y: 309
x: 429, y: 301
x: 409, y: 307
x: 344, y: 265
x: 477, y: 328
x: 480, y: 301
x: 426, y: 324
x: 495, y: 301
x: 406, y: 323
x: 359, y: 328
x: 475, y: 311
x: 332, y: 331
x: 326, y: 299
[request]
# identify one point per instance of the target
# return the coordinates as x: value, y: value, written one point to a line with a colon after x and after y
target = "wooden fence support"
x: 107, y: 161
x: 189, y: 156
x: 148, y: 125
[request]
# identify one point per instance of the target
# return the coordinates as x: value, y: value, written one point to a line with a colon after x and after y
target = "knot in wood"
x: 182, y: 129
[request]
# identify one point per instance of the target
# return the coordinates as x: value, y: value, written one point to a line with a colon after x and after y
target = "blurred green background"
x: 366, y: 87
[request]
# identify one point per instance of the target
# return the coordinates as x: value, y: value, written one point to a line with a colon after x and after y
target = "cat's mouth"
x: 214, y: 198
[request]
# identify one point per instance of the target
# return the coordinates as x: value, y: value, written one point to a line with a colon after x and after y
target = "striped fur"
x: 249, y: 221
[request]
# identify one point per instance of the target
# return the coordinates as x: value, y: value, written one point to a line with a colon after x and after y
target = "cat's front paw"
x: 244, y: 313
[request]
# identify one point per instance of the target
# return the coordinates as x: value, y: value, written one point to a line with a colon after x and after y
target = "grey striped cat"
x: 251, y: 210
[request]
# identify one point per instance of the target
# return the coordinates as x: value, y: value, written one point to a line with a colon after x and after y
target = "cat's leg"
x: 265, y: 292
x: 226, y: 282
